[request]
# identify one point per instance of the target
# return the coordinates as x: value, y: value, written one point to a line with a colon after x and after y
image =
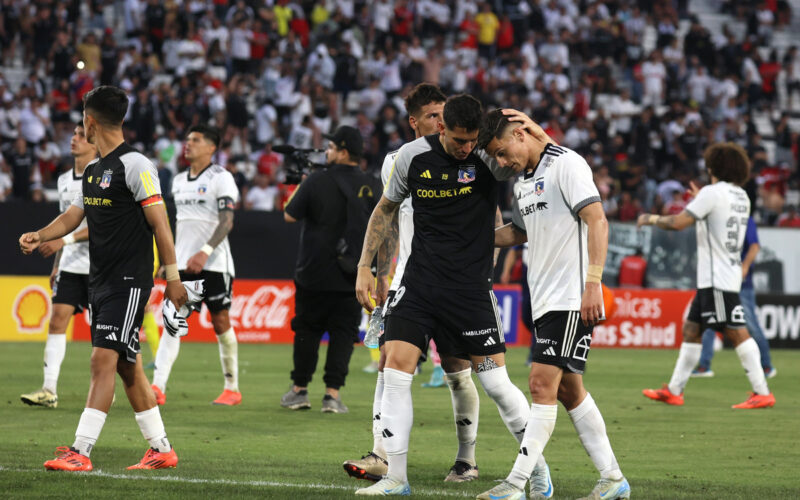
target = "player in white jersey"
x: 70, y: 276
x: 205, y: 195
x: 719, y: 212
x: 557, y: 210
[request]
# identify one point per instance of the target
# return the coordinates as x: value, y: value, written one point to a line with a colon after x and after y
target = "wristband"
x: 652, y: 219
x: 171, y: 271
x: 207, y: 249
x: 594, y: 274
x: 68, y: 239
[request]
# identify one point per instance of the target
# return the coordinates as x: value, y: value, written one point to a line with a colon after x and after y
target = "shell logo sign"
x: 31, y: 309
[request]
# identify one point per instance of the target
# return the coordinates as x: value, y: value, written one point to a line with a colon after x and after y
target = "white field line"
x: 231, y: 482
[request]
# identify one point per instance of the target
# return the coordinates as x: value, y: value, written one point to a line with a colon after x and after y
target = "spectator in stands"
x: 790, y: 219
x: 263, y: 195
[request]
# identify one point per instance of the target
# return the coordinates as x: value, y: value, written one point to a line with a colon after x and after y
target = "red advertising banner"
x: 647, y: 318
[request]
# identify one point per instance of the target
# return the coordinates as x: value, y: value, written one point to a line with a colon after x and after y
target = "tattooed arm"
x: 197, y: 262
x: 386, y: 255
x: 378, y: 229
x: 669, y: 222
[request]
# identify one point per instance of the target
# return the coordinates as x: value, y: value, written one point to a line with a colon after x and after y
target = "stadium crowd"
x: 285, y: 72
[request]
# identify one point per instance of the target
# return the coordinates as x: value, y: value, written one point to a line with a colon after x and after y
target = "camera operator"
x: 324, y: 299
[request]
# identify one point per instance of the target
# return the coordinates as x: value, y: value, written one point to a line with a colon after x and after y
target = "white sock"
x: 750, y: 357
x: 591, y: 430
x: 512, y: 404
x: 229, y: 358
x: 688, y: 358
x: 54, y: 351
x: 397, y: 416
x: 89, y: 427
x: 540, y: 426
x: 152, y: 428
x: 465, y: 411
x: 168, y: 348
x: 377, y: 425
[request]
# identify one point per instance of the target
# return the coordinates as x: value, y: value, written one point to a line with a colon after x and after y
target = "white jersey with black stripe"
x: 75, y: 256
x: 721, y: 211
x: 405, y: 223
x: 197, y: 201
x: 546, y: 205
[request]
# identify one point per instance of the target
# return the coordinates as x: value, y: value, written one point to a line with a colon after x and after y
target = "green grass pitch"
x: 703, y: 450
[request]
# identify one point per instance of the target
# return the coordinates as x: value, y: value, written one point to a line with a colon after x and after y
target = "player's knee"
x: 221, y: 322
x: 452, y: 364
x: 102, y: 364
x: 691, y: 331
x: 60, y: 317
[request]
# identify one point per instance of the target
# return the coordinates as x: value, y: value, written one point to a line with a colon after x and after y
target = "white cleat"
x: 503, y: 491
x: 610, y: 489
x: 386, y: 487
x: 541, y: 483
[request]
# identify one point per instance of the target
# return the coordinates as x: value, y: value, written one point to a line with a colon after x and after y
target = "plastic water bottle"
x: 374, y: 328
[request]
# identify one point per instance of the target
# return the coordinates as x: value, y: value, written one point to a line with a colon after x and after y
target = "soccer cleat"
x: 370, y: 467
x: 386, y: 487
x: 228, y: 398
x: 295, y: 400
x: 437, y: 378
x: 503, y: 491
x: 42, y: 397
x: 771, y: 373
x: 461, y: 472
x: 756, y: 401
x: 69, y: 459
x: 702, y: 372
x: 610, y: 489
x: 541, y: 483
x: 154, y: 459
x: 664, y: 395
x: 161, y: 398
x: 332, y: 405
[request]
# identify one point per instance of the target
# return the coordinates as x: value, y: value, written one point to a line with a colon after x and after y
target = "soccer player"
x: 424, y: 106
x: 445, y: 292
x: 205, y: 195
x: 121, y: 200
x: 719, y: 212
x: 557, y: 210
x: 70, y: 277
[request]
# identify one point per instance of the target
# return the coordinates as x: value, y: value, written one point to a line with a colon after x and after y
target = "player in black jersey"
x: 121, y: 200
x: 446, y: 290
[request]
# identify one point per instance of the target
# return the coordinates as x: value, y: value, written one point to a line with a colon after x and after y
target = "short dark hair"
x: 728, y: 162
x: 463, y: 111
x: 210, y: 133
x: 107, y: 104
x: 493, y: 127
x: 421, y: 95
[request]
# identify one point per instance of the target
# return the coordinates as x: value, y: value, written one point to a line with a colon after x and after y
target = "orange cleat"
x: 228, y: 398
x: 664, y: 395
x: 154, y: 459
x: 69, y: 459
x: 757, y: 401
x: 161, y: 398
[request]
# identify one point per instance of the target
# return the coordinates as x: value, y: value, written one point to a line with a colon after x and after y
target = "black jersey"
x: 454, y: 205
x: 115, y: 190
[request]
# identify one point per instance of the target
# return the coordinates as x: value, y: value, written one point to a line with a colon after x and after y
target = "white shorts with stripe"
x: 562, y: 340
x: 116, y: 319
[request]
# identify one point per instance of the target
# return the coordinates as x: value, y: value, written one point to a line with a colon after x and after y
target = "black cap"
x: 348, y: 138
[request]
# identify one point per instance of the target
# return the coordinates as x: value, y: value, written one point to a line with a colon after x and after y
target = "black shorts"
x: 463, y: 323
x: 71, y: 289
x: 562, y: 340
x: 217, y: 288
x: 717, y: 309
x: 117, y: 317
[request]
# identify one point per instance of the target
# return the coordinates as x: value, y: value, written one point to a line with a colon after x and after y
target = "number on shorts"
x: 398, y: 296
x: 737, y: 315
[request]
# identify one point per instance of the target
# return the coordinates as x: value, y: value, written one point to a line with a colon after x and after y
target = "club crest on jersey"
x: 538, y: 188
x: 202, y: 189
x: 466, y: 174
x: 105, y: 181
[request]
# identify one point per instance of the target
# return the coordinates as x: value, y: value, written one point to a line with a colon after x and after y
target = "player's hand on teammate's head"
x: 176, y: 293
x: 29, y: 242
x: 365, y: 288
x: 48, y: 248
x: 693, y: 189
x: 528, y: 124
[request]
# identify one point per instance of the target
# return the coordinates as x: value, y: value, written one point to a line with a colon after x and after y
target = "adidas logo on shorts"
x: 489, y: 341
x: 550, y: 351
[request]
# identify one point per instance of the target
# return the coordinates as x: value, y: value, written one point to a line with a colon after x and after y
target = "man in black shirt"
x: 324, y: 298
x: 121, y: 200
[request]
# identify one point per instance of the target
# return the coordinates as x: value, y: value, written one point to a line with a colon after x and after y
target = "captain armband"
x: 225, y: 203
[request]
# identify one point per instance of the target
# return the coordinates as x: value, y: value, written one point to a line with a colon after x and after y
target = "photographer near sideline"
x: 331, y: 202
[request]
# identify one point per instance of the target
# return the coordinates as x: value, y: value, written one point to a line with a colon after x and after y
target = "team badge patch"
x: 202, y: 190
x: 538, y: 188
x: 105, y: 181
x: 466, y: 174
